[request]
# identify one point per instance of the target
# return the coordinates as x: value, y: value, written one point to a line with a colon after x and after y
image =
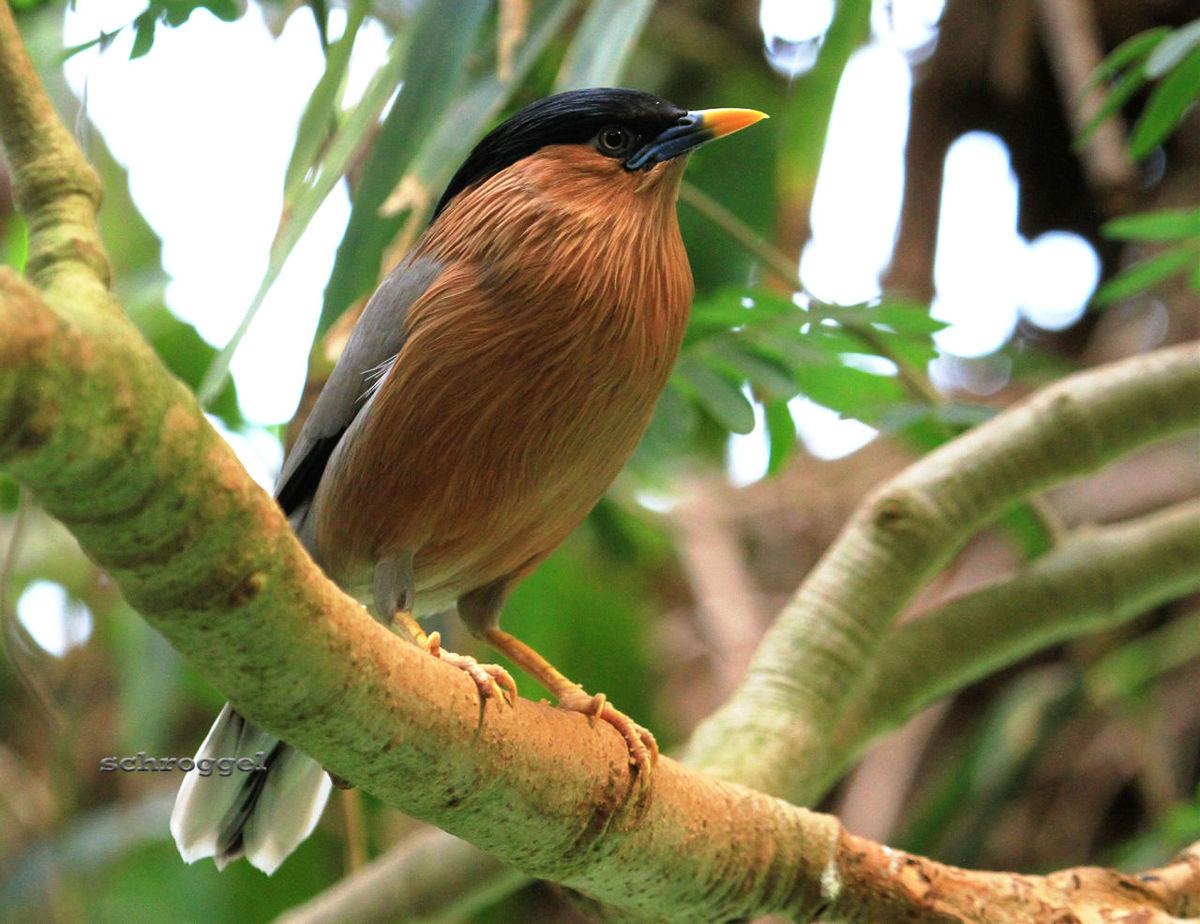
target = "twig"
x: 15, y: 640
x: 1071, y: 36
x: 430, y: 876
x: 784, y: 267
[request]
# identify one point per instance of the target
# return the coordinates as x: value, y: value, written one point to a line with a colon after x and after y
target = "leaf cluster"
x: 1169, y: 59
x: 747, y: 346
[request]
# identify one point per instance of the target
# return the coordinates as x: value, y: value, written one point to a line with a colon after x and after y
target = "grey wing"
x: 375, y: 342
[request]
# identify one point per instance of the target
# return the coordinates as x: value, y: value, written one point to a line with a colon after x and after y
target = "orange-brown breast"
x: 531, y: 368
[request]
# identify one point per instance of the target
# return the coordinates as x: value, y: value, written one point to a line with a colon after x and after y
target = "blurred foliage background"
x: 1088, y: 753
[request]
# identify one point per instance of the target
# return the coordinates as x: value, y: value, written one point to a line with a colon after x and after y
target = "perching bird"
x: 496, y: 383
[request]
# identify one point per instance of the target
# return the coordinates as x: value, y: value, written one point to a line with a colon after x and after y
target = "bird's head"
x: 608, y: 134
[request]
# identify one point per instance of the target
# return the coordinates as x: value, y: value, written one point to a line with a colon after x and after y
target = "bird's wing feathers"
x: 374, y: 343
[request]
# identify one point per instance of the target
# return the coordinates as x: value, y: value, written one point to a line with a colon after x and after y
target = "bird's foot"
x: 643, y: 749
x: 492, y: 681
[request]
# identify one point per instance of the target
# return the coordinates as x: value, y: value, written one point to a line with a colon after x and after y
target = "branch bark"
x: 1092, y: 582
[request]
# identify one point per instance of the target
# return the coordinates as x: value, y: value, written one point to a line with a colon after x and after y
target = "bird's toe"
x: 491, y: 680
x: 643, y: 749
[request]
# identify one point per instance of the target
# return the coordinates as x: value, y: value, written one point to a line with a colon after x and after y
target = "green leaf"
x: 1139, y: 46
x: 475, y: 111
x: 925, y: 427
x: 849, y: 391
x: 1166, y: 225
x: 771, y: 375
x: 722, y: 399
x: 438, y: 48
x: 318, y: 120
x: 1143, y: 275
x: 320, y: 14
x: 1171, y: 50
x: 830, y: 341
x: 674, y: 422
x: 143, y: 37
x: 1170, y: 99
x: 103, y: 39
x: 781, y: 435
x: 177, y: 12
x: 731, y: 308
x: 602, y: 43
x: 913, y: 353
x: 1117, y: 97
x: 906, y: 317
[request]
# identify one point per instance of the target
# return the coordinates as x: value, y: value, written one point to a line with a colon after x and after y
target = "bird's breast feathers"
x: 531, y: 366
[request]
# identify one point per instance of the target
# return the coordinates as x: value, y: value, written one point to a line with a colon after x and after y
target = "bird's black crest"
x: 573, y: 117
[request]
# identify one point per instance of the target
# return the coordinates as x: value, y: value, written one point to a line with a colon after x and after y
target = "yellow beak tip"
x: 723, y: 122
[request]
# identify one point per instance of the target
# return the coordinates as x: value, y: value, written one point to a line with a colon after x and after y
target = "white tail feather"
x: 262, y: 814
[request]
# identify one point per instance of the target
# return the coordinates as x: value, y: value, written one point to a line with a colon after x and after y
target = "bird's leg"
x: 643, y: 749
x: 393, y: 590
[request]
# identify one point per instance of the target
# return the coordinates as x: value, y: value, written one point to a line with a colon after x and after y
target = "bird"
x: 495, y: 384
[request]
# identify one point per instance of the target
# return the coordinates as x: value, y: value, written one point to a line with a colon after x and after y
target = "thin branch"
x: 430, y: 877
x: 772, y: 733
x: 1092, y: 582
x: 778, y: 262
x: 1071, y: 36
x: 918, y: 386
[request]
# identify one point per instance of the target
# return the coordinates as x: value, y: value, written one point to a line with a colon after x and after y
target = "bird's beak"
x: 691, y: 131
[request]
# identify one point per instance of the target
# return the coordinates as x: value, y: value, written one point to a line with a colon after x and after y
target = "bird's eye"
x: 613, y: 140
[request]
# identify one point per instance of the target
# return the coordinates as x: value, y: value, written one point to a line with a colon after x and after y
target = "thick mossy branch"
x: 772, y: 733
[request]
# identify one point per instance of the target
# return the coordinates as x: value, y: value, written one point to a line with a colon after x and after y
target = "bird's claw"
x: 643, y: 749
x: 491, y: 680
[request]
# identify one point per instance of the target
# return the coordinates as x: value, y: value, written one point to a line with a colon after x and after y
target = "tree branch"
x: 772, y: 733
x: 1092, y: 582
x: 430, y: 877
x: 1071, y: 37
x: 56, y: 189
